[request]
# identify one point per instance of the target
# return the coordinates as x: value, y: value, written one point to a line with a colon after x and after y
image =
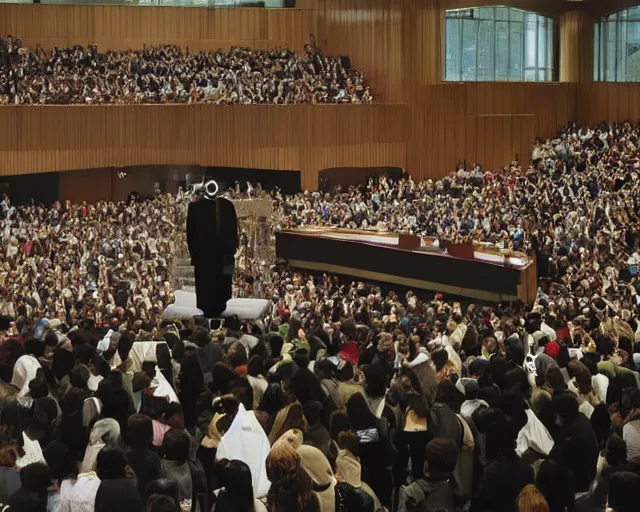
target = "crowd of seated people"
x: 170, y: 74
x: 354, y: 398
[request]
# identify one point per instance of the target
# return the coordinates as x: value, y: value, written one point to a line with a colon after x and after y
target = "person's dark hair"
x: 176, y: 445
x: 62, y: 364
x: 324, y: 369
x: 163, y: 356
x: 556, y: 485
x: 306, y: 386
x: 60, y: 460
x: 200, y: 336
x: 566, y: 404
x: 376, y: 380
x: 221, y: 378
x: 348, y: 440
x: 313, y: 412
x: 84, y: 353
x: 72, y: 401
x: 34, y: 347
x: 172, y: 339
x: 513, y: 405
x: 36, y: 477
x: 111, y: 464
x: 177, y: 351
x: 555, y: 379
x: 139, y: 433
x: 563, y: 356
x: 243, y: 392
x: 616, y: 450
x: 417, y: 403
x: 360, y: 415
x: 624, y: 488
x: 447, y: 393
x: 301, y: 357
x: 164, y: 487
x: 161, y: 503
x: 441, y: 457
x: 237, y: 494
x: 191, y: 376
x: 500, y: 435
x: 237, y: 355
x: 490, y: 394
x: 273, y: 399
x: 255, y: 367
x: 51, y: 339
x: 625, y: 343
x: 38, y: 387
x: 125, y: 343
x: 79, y: 376
x: 338, y: 422
x: 440, y: 357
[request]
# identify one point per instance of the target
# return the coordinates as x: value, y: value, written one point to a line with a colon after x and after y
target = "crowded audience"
x: 350, y: 396
x: 171, y: 74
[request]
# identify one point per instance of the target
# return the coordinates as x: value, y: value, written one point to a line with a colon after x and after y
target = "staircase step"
x: 186, y: 271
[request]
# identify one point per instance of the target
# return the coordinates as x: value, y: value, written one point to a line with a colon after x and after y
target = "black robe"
x: 212, y: 244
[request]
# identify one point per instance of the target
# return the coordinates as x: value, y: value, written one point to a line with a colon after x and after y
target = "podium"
x: 184, y: 307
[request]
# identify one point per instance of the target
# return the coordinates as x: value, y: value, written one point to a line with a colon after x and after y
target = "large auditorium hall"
x: 319, y: 256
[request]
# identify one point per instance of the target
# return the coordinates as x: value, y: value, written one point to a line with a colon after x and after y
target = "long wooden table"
x: 475, y: 271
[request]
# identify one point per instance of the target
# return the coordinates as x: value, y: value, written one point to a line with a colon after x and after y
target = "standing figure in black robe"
x: 212, y: 237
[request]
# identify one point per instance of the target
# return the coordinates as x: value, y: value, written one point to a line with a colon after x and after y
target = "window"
x: 498, y: 44
x: 617, y: 47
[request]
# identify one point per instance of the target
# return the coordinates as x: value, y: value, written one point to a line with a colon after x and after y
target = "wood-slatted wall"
x: 130, y: 27
x: 608, y: 101
x: 297, y: 137
x: 419, y: 123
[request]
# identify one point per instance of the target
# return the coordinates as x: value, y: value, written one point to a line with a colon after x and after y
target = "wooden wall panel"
x: 608, y: 101
x: 90, y: 185
x: 447, y: 119
x: 298, y: 137
x: 129, y: 27
x: 576, y: 46
x: 418, y: 122
x: 370, y: 33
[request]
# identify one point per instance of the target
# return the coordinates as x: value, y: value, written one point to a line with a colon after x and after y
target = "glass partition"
x: 617, y: 47
x: 498, y: 44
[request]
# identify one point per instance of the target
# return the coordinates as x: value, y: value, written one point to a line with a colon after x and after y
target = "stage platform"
x: 245, y: 309
x: 478, y: 271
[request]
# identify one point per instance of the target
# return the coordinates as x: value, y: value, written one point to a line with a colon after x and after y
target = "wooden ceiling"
x: 596, y: 8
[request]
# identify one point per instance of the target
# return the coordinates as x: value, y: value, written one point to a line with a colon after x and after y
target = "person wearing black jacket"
x: 505, y: 474
x: 145, y: 462
x: 576, y: 445
x: 212, y: 237
x: 117, y: 489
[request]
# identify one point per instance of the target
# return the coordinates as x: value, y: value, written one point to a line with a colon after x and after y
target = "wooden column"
x: 576, y: 47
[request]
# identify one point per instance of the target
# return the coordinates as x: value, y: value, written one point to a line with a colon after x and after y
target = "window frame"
x: 545, y: 33
x: 612, y: 32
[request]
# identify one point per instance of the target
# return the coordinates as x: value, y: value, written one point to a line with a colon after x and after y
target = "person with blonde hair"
x: 531, y: 499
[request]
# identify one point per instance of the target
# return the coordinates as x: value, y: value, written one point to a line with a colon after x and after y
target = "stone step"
x: 182, y: 262
x: 185, y: 271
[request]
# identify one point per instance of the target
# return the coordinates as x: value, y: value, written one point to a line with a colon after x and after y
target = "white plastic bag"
x: 534, y: 435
